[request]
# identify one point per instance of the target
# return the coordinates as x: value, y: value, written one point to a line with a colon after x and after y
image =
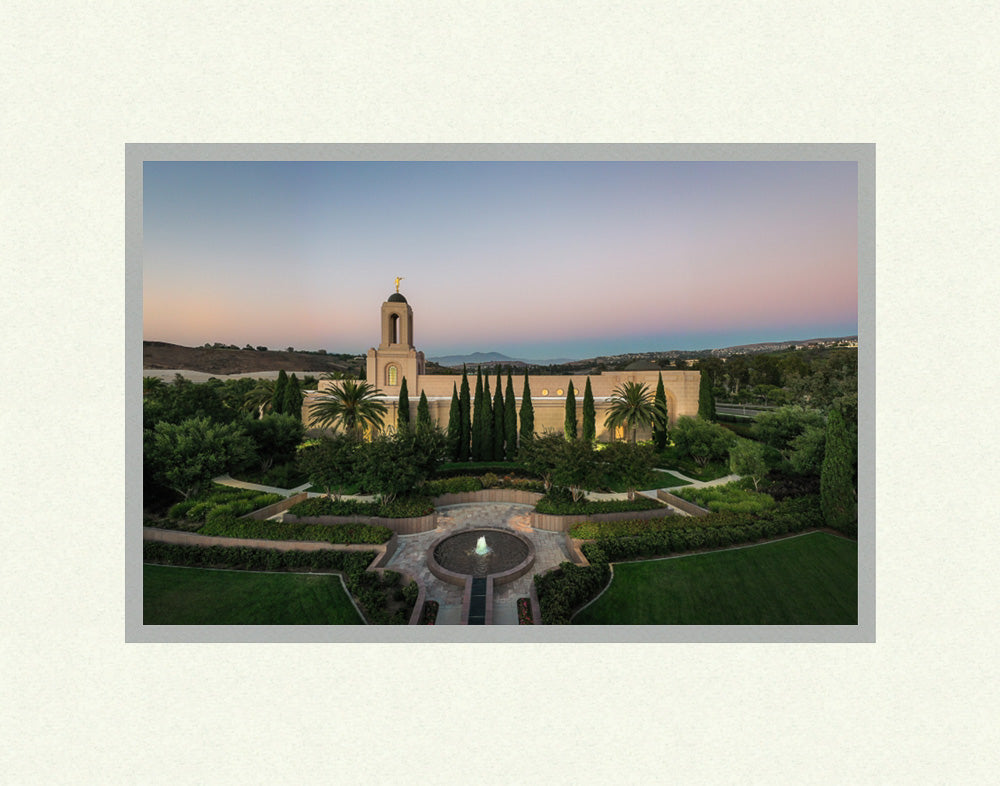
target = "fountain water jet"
x: 481, y: 548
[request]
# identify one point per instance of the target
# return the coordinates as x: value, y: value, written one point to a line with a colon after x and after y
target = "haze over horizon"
x: 533, y: 260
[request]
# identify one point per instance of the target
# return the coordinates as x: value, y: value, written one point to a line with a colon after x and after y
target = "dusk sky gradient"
x: 531, y: 259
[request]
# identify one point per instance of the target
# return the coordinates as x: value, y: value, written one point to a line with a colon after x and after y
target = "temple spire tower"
x: 395, y: 356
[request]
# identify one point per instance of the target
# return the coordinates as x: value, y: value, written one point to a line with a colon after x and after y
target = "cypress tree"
x: 510, y: 419
x: 278, y: 397
x: 292, y: 403
x: 486, y: 445
x: 589, y: 425
x: 569, y: 423
x: 660, y: 416
x: 455, y: 427
x: 837, y: 497
x: 706, y: 401
x: 498, y: 425
x: 476, y: 449
x: 423, y: 413
x: 465, y: 416
x: 527, y: 413
x: 403, y: 414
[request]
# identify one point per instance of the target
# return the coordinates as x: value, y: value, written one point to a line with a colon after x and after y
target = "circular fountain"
x: 499, y: 553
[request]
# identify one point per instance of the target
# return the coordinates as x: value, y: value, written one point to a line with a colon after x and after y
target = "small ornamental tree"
x: 424, y: 412
x: 660, y: 416
x: 702, y: 440
x: 455, y: 426
x: 527, y: 414
x: 569, y: 421
x: 577, y: 468
x: 334, y: 463
x: 627, y: 463
x: 780, y: 428
x: 588, y: 428
x: 293, y: 398
x: 747, y: 458
x: 275, y: 438
x: 510, y: 419
x: 542, y: 455
x: 476, y: 450
x: 837, y: 496
x: 187, y: 455
x: 807, y: 450
x: 706, y: 401
x: 278, y: 397
x: 498, y: 423
x: 465, y: 416
x: 403, y: 410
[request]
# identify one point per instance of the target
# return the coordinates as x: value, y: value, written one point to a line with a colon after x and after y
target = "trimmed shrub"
x: 397, y: 509
x: 557, y: 505
x: 563, y: 590
x: 228, y: 526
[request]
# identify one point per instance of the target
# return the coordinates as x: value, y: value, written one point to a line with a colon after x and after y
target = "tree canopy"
x: 631, y: 407
x: 350, y: 404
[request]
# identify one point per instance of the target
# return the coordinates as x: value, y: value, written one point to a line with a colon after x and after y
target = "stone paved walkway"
x: 411, y: 557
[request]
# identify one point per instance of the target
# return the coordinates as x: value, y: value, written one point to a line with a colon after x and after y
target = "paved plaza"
x: 411, y: 557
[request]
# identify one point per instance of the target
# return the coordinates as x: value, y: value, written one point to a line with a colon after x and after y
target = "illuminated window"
x: 390, y: 375
x: 559, y: 392
x: 619, y: 432
x: 545, y: 391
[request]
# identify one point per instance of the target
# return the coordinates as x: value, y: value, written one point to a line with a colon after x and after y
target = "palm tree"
x: 259, y: 398
x: 631, y: 406
x: 351, y: 404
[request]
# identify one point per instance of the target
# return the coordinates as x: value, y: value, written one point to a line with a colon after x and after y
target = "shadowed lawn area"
x: 806, y: 580
x: 194, y: 596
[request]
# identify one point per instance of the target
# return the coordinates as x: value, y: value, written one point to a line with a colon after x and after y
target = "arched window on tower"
x: 391, y: 374
x: 394, y: 329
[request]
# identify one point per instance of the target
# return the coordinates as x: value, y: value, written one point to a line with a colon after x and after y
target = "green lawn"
x: 806, y: 580
x: 194, y: 596
x: 668, y: 480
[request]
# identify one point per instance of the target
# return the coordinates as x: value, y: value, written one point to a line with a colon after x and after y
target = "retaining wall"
x: 553, y: 523
x: 515, y: 496
x: 277, y: 507
x: 681, y: 504
x: 409, y: 526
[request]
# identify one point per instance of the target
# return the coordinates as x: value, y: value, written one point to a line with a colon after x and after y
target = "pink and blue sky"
x: 531, y: 259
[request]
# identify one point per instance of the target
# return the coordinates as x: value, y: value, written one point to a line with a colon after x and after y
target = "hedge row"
x: 384, y: 601
x: 411, y: 507
x: 720, y: 530
x: 465, y: 483
x: 563, y: 590
x: 232, y: 527
x: 564, y: 507
x: 247, y: 558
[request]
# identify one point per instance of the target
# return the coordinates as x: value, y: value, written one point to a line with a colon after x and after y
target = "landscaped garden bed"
x: 412, y: 507
x: 560, y: 503
x: 735, y: 497
x: 524, y: 612
x: 430, y: 612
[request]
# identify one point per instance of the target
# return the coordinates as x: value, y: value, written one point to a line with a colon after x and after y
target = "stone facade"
x: 396, y: 358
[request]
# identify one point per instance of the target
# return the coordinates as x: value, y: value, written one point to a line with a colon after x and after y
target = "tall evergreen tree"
x: 476, y: 449
x: 424, y: 421
x: 837, y: 496
x: 292, y: 404
x: 498, y: 426
x: 588, y: 428
x: 706, y: 401
x: 403, y: 411
x: 278, y: 398
x: 569, y: 422
x: 510, y: 419
x: 660, y: 416
x: 455, y: 426
x: 527, y: 414
x: 486, y: 443
x: 465, y: 415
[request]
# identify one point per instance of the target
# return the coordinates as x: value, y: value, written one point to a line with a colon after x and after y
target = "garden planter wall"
x: 681, y: 504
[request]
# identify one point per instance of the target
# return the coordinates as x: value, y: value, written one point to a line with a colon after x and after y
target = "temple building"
x: 396, y: 358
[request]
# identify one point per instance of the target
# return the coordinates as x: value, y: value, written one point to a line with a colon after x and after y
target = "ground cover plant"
x: 672, y: 458
x: 805, y: 580
x: 198, y: 596
x: 214, y: 503
x: 524, y: 612
x: 733, y: 496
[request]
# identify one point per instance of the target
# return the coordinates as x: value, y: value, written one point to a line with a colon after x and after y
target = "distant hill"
x: 493, y: 359
x: 158, y: 355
